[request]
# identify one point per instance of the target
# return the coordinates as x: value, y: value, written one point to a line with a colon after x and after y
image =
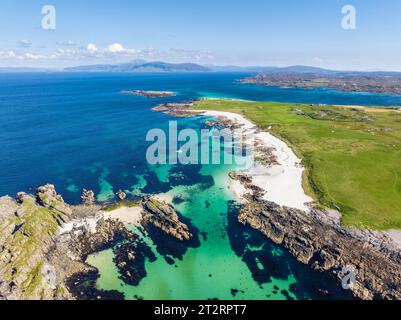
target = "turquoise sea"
x: 78, y: 131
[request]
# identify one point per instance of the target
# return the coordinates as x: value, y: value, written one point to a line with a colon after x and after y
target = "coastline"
x: 282, y: 182
x: 315, y: 237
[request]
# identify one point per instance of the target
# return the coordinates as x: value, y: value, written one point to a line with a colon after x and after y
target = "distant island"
x: 374, y: 82
x: 150, y: 93
x: 141, y: 67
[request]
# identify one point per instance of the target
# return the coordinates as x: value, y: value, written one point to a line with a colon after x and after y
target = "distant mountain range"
x: 142, y: 66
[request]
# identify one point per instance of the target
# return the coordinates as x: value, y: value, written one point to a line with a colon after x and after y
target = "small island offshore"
x: 150, y: 94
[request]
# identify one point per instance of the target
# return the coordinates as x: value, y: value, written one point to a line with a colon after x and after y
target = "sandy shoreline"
x: 282, y: 182
x: 128, y: 215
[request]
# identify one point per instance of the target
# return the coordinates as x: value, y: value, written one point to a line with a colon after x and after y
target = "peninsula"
x: 374, y: 82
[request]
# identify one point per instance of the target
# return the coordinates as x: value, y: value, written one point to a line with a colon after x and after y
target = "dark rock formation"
x: 172, y: 233
x: 82, y: 241
x: 130, y: 258
x: 319, y: 241
x: 163, y: 216
x: 83, y: 287
x: 180, y: 110
x: 255, y: 193
x: 265, y: 155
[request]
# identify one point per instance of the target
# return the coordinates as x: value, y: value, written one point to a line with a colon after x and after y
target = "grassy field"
x: 352, y: 155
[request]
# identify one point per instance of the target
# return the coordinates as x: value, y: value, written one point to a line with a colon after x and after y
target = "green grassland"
x: 352, y: 155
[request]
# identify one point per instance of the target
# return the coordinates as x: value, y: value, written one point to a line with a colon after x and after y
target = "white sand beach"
x: 282, y: 182
x: 129, y: 215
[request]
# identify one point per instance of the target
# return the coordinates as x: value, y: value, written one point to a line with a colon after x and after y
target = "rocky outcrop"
x: 321, y: 242
x: 88, y: 197
x: 121, y: 195
x: 44, y: 243
x: 92, y: 235
x: 28, y: 226
x: 77, y: 240
x: 265, y: 155
x: 180, y: 110
x: 162, y: 216
x: 171, y: 232
x: 254, y: 192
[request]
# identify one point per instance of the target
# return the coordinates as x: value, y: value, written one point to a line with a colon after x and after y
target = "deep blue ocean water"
x: 67, y: 128
x: 78, y: 131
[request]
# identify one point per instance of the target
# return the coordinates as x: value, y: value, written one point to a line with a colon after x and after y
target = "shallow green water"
x: 210, y: 271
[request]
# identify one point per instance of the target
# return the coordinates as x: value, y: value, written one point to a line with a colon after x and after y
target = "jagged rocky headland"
x: 44, y: 243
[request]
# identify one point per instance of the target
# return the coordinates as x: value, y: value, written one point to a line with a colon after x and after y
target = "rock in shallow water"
x: 316, y: 240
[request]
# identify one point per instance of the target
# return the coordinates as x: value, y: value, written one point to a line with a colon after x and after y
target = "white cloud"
x: 116, y: 48
x: 32, y: 56
x: 7, y: 54
x: 91, y: 48
x: 89, y: 54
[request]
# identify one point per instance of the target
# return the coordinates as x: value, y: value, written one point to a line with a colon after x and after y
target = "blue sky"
x: 240, y: 32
